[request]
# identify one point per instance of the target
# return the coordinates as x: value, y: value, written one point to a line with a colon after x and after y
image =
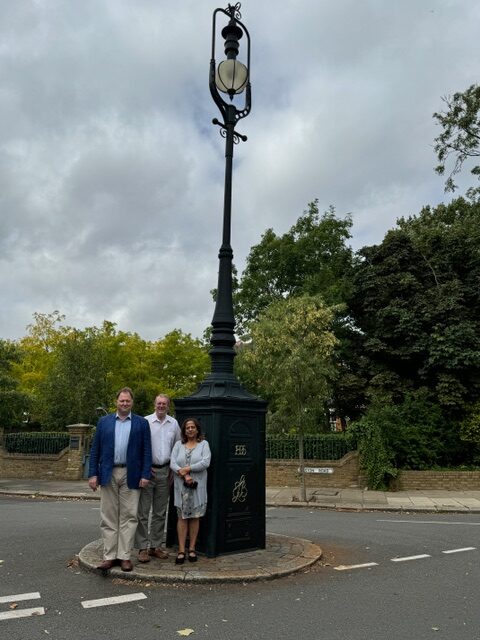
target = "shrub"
x: 375, y: 456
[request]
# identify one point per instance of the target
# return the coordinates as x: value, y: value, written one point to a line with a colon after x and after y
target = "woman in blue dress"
x: 189, y: 462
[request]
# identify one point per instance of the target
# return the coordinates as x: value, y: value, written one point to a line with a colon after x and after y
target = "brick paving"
x: 283, y: 555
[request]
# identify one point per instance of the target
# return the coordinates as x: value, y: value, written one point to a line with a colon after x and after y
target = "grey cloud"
x: 111, y: 174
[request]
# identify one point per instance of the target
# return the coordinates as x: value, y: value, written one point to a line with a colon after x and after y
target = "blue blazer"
x: 139, y: 451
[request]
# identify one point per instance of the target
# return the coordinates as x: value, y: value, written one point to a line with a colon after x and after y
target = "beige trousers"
x: 118, y: 513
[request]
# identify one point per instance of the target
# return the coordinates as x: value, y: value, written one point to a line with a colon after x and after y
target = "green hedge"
x: 36, y: 443
x: 325, y: 446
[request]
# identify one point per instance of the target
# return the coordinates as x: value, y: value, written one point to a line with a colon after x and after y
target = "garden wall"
x: 66, y: 465
x: 340, y: 474
x: 450, y: 480
x: 45, y: 467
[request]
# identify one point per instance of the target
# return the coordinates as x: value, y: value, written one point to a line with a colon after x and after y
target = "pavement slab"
x: 355, y: 499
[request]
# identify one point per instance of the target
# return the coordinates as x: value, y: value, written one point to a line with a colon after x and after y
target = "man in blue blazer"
x: 121, y: 464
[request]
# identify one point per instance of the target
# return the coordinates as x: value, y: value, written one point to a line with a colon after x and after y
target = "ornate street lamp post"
x: 233, y: 418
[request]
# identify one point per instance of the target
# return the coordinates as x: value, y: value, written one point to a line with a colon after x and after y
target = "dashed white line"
x: 22, y: 613
x: 439, y: 522
x: 345, y: 567
x: 103, y: 602
x: 20, y: 596
x: 407, y: 558
x: 459, y: 550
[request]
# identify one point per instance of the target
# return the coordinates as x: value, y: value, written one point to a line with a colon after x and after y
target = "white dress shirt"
x: 164, y: 434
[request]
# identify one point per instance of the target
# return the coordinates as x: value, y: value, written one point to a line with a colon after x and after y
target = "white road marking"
x: 20, y: 596
x: 103, y: 602
x: 460, y: 550
x: 22, y: 613
x: 468, y: 524
x: 345, y: 567
x: 406, y: 558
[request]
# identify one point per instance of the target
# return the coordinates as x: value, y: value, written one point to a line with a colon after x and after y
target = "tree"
x: 77, y: 381
x: 415, y: 300
x: 290, y: 358
x: 13, y: 403
x: 311, y: 258
x: 37, y: 356
x: 66, y: 373
x: 180, y: 363
x: 174, y: 364
x: 460, y: 138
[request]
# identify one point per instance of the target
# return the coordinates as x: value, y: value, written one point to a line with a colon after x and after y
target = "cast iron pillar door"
x: 233, y: 419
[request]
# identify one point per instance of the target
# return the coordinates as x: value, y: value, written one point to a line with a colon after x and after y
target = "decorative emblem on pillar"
x: 240, y: 492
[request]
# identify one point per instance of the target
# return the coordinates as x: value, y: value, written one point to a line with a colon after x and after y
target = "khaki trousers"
x: 118, y: 513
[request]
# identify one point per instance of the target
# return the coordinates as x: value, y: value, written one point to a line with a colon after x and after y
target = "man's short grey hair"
x: 163, y: 395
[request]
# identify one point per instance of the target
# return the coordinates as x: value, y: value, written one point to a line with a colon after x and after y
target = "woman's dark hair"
x: 184, y: 433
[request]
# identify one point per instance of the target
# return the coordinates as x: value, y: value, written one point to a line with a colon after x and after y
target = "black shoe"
x: 192, y: 556
x: 180, y: 559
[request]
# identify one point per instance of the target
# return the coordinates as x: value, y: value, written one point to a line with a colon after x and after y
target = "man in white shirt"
x: 164, y: 432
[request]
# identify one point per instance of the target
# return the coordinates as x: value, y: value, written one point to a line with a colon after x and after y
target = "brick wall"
x: 67, y: 465
x: 45, y: 467
x: 284, y: 473
x: 450, y: 480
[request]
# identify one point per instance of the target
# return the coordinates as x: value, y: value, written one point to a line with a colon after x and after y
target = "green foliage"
x: 460, y: 137
x: 470, y: 426
x: 413, y: 434
x: 77, y: 381
x: 415, y: 300
x: 311, y: 258
x: 37, y: 349
x: 64, y: 373
x: 36, y: 443
x: 181, y: 363
x: 375, y: 457
x: 412, y: 431
x: 13, y: 402
x: 289, y: 361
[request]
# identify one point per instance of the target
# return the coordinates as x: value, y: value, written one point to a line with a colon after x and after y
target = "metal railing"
x: 36, y: 443
x: 319, y: 447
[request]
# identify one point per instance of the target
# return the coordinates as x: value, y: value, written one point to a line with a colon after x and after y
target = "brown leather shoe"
x: 143, y: 555
x: 126, y: 565
x: 106, y: 565
x: 159, y: 553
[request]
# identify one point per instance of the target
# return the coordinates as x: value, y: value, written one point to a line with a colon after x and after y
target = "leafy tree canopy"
x: 76, y: 383
x: 416, y: 302
x: 290, y: 360
x: 311, y: 258
x: 460, y: 137
x: 67, y: 373
x: 13, y: 403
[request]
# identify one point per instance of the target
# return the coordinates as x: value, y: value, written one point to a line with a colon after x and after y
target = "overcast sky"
x: 111, y: 173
